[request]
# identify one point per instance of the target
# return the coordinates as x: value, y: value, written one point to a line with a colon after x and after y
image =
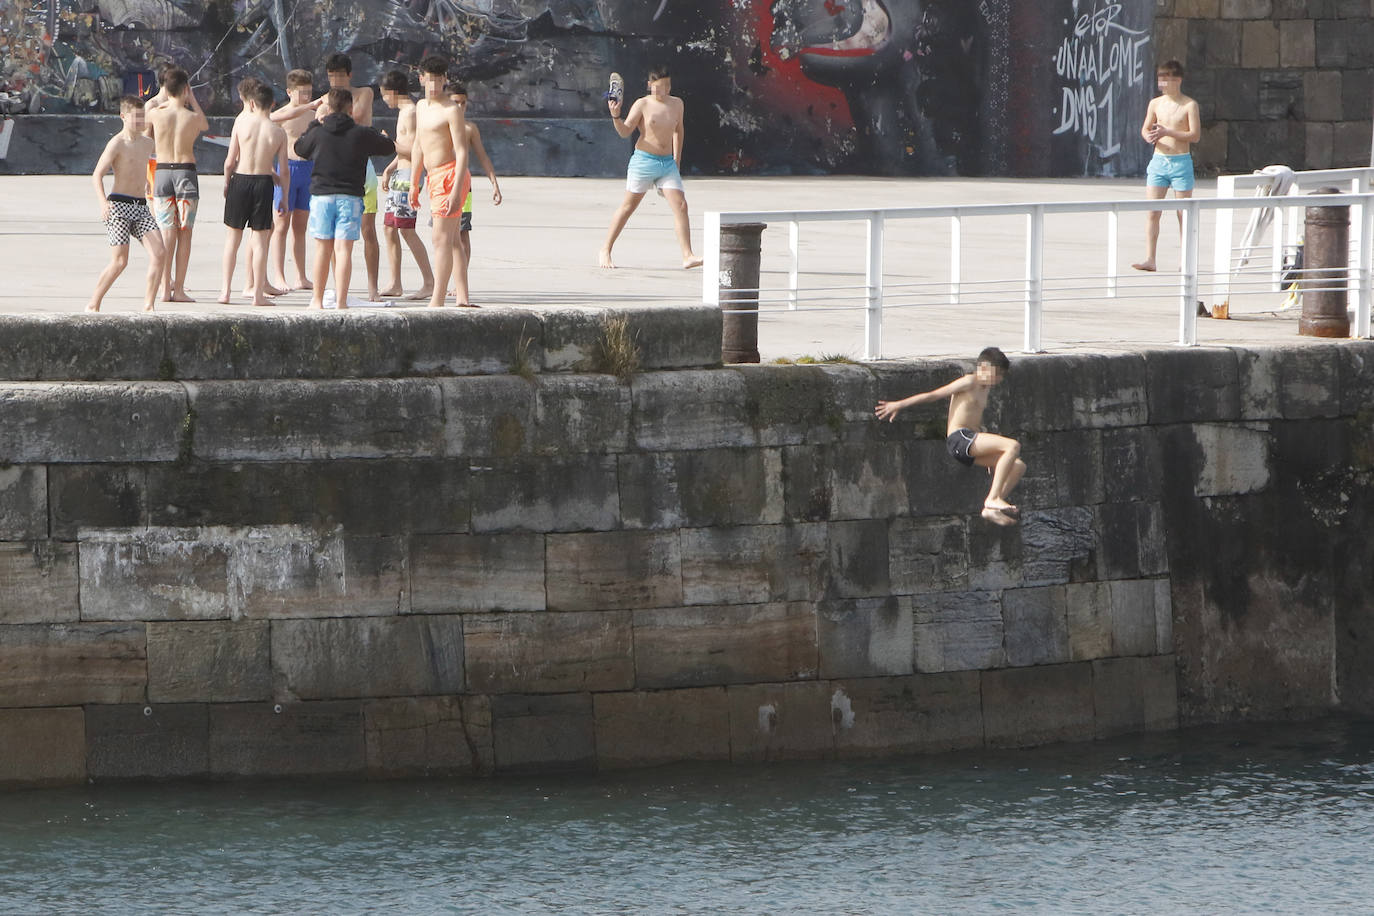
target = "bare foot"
x: 689, y: 263
x: 391, y: 292
x: 316, y: 304
x: 223, y: 299
x: 303, y: 284
x: 604, y: 258
x: 283, y: 284
x: 261, y: 302
x: 95, y: 308
x: 146, y: 308
x: 436, y: 305
x: 1001, y: 505
x: 1145, y: 265
x: 419, y: 295
x: 177, y: 297
x: 997, y: 517
x: 466, y: 305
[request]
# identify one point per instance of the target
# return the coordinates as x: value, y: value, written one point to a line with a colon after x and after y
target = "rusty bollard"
x: 1326, y: 259
x: 739, y: 298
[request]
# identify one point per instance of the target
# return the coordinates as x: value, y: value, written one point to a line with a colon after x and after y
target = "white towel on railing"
x: 1279, y: 184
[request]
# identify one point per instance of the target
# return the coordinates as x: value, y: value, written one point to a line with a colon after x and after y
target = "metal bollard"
x: 739, y: 298
x: 1326, y: 260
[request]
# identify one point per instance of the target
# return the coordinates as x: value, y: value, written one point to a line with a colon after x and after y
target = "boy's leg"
x: 323, y: 247
x: 157, y: 258
x: 232, y: 238
x: 622, y: 216
x: 258, y: 249
x: 371, y: 252
x: 461, y: 293
x: 1152, y: 192
x: 183, y: 258
x: 421, y: 255
x: 682, y: 226
x: 393, y: 260
x: 276, y: 258
x: 1002, y: 456
x: 343, y: 270
x: 445, y: 243
x: 119, y: 259
x: 299, y: 220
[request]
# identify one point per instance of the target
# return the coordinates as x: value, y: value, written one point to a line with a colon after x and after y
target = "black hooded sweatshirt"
x: 339, y: 148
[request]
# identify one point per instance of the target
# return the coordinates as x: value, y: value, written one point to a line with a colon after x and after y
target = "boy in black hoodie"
x: 339, y: 148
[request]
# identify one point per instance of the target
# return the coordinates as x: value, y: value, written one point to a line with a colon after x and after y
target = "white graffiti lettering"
x: 1098, y: 61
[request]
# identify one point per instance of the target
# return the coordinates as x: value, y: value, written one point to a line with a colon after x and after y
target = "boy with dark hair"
x: 1172, y: 124
x: 340, y: 148
x: 441, y: 146
x: 176, y: 188
x: 125, y: 210
x: 294, y: 214
x: 463, y: 259
x: 967, y: 444
x: 658, y: 117
x: 254, y: 168
x: 339, y: 68
x: 399, y: 222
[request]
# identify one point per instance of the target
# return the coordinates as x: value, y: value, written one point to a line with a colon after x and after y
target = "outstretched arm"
x: 888, y: 410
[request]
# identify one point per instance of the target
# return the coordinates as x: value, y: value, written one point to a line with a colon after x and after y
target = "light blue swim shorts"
x: 647, y: 171
x: 336, y: 216
x: 1170, y: 172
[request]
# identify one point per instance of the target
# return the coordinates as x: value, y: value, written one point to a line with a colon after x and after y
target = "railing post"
x: 955, y: 244
x: 873, y: 279
x: 1221, y: 246
x: 1111, y: 253
x: 710, y: 258
x: 1276, y: 250
x: 794, y: 252
x: 1035, y: 276
x: 1187, y: 293
x: 1366, y: 275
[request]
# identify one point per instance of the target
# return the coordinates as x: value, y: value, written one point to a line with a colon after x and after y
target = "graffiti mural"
x: 894, y: 87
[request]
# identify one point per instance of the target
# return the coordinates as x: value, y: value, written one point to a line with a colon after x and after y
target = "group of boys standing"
x: 302, y: 169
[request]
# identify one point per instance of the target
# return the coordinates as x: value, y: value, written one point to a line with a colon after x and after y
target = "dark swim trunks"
x: 958, y: 443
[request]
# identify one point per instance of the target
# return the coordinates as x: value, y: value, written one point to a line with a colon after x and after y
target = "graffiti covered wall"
x: 901, y: 87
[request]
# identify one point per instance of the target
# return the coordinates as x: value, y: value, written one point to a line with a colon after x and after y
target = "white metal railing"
x: 1033, y: 290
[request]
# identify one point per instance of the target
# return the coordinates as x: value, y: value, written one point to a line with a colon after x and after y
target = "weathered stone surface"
x: 1039, y: 705
x: 472, y: 342
x: 858, y: 559
x: 995, y: 556
x: 427, y: 736
x: 920, y: 714
x: 1356, y: 365
x: 958, y: 631
x: 1350, y: 144
x: 42, y: 746
x: 661, y: 726
x: 216, y: 661
x: 898, y: 380
x: 147, y: 742
x: 1164, y: 617
x: 937, y: 485
x: 476, y: 572
x: 548, y: 494
x: 806, y: 483
x: 485, y: 417
x: 1234, y: 459
x: 1246, y: 9
x: 1131, y: 463
x: 38, y: 583
x: 1056, y: 543
x: 707, y: 488
x: 1032, y: 397
x: 72, y: 663
x: 1135, y: 694
x: 1238, y: 95
x: 295, y: 420
x: 691, y: 410
x: 1289, y: 383
x: 780, y: 721
x: 580, y: 413
x: 864, y: 637
x: 287, y: 345
x: 289, y: 739
x: 791, y: 405
x: 543, y: 733
x: 1133, y: 617
x: 1070, y: 463
x: 1321, y: 93
x: 42, y: 347
x: 1090, y: 620
x: 613, y: 570
x: 1130, y: 540
x: 705, y: 646
x: 866, y: 481
x: 96, y: 496
x: 548, y: 653
x: 23, y: 502
x: 927, y: 555
x: 755, y: 564
x: 1319, y: 145
x: 680, y: 338
x: 336, y: 658
x: 1259, y: 44
x: 90, y: 421
x: 1035, y: 623
x: 1194, y: 384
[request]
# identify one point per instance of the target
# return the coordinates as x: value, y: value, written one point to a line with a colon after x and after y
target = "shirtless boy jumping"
x: 441, y: 147
x: 967, y: 444
x: 174, y: 128
x: 125, y: 210
x: 1172, y: 124
x: 658, y: 153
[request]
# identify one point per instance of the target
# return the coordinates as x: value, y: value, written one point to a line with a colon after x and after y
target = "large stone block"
x: 1090, y: 620
x: 297, y: 420
x: 858, y: 559
x: 1063, y: 469
x: 1356, y: 366
x: 476, y: 572
x: 1130, y: 540
x: 489, y: 341
x: 925, y: 713
x: 96, y: 496
x: 691, y: 410
x: 79, y: 347
x: 1247, y: 9
x: 1135, y: 694
x: 1321, y: 94
x: 661, y: 726
x: 995, y: 556
x: 752, y: 565
x: 486, y: 417
x: 548, y: 653
x: 543, y: 733
x: 937, y: 485
x: 1290, y: 383
x: 705, y: 646
x: 613, y: 570
x: 1132, y: 460
x: 72, y: 663
x: 864, y: 637
x: 1190, y: 385
x: 1259, y: 44
x: 713, y: 487
x: 958, y: 631
x: 1133, y: 617
x: 91, y: 421
x: 578, y: 493
x: 580, y: 413
x: 866, y: 481
x: 685, y: 337
x: 1040, y: 705
x: 1234, y: 459
x: 42, y: 746
x: 1035, y: 624
x: 927, y: 555
x: 408, y: 737
x: 1057, y: 544
x: 780, y: 721
x: 336, y: 658
x: 1032, y: 395
x: 1238, y: 96
x: 147, y: 742
x: 38, y: 583
x: 217, y: 661
x: 806, y: 483
x: 791, y: 405
x: 23, y: 502
x: 287, y: 345
x: 289, y: 739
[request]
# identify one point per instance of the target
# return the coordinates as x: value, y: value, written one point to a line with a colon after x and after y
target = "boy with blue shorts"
x: 339, y: 148
x: 1172, y: 124
x: 294, y: 117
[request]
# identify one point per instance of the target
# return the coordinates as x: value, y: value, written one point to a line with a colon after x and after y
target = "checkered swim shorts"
x: 129, y: 216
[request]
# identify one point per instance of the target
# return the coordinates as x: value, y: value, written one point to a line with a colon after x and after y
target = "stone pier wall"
x: 365, y: 545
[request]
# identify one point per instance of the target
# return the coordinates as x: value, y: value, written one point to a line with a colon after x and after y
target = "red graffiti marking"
x: 833, y: 8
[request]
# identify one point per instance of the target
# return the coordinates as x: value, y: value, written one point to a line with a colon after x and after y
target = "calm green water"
x: 1258, y: 819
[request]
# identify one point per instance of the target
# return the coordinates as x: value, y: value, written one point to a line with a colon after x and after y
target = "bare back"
x: 175, y: 128
x: 260, y: 144
x: 127, y: 158
x: 657, y: 122
x: 1181, y: 115
x: 439, y: 131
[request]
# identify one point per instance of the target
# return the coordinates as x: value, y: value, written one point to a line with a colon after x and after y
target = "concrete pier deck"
x: 538, y: 250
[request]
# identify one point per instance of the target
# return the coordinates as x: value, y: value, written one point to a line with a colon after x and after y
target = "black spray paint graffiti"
x: 1099, y: 62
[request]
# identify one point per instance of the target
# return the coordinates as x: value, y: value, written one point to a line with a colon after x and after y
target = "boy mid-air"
x: 1172, y: 124
x: 654, y: 164
x: 967, y: 444
x: 125, y: 210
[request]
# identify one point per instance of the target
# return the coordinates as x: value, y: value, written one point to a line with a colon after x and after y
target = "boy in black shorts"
x: 255, y: 167
x: 125, y: 210
x: 967, y: 444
